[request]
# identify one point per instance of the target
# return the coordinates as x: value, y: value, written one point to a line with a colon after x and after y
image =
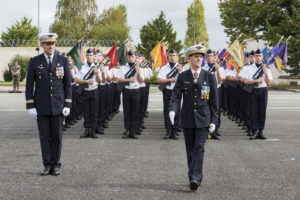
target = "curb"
x: 285, y: 89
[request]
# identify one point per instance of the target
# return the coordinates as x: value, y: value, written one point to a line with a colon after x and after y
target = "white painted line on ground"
x: 272, y: 140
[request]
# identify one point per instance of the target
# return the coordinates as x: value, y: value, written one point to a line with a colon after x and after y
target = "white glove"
x: 66, y: 111
x: 32, y: 113
x: 172, y: 116
x: 212, y: 128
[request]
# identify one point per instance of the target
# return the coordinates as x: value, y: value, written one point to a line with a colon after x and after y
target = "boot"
x: 126, y: 134
x: 168, y: 135
x: 261, y: 135
x: 93, y: 134
x: 254, y: 134
x: 85, y: 134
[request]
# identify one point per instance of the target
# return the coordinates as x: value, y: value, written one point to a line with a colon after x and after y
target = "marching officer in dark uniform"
x: 166, y: 78
x: 48, y: 99
x: 199, y: 110
x: 130, y: 76
x: 259, y: 78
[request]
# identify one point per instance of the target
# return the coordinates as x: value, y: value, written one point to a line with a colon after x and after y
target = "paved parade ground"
x: 150, y: 167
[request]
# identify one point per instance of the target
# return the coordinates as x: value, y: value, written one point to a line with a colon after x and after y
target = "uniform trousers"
x: 91, y: 102
x: 258, y: 103
x: 195, y: 139
x: 50, y: 133
x: 131, y: 108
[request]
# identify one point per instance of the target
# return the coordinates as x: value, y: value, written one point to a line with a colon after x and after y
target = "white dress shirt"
x: 252, y: 69
x: 83, y: 71
x: 121, y: 74
x: 47, y: 58
x: 163, y: 72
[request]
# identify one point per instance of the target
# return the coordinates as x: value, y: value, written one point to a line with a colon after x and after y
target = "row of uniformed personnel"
x: 99, y: 88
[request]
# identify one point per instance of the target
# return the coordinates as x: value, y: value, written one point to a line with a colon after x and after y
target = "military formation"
x: 195, y: 95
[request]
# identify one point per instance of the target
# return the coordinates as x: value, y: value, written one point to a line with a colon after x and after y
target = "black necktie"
x: 50, y: 63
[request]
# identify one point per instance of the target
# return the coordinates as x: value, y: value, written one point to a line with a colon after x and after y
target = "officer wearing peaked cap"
x: 48, y: 99
x: 199, y: 110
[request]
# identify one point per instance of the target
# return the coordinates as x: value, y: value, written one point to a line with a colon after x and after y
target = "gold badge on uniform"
x: 205, y: 90
x: 41, y: 67
x: 59, y: 71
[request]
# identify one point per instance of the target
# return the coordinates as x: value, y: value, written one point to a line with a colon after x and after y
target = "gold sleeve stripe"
x: 30, y: 101
x: 68, y: 100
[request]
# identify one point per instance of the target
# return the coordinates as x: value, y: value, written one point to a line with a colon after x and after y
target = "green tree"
x: 155, y: 31
x: 74, y: 19
x: 21, y: 33
x: 112, y: 25
x: 197, y: 31
x: 267, y: 20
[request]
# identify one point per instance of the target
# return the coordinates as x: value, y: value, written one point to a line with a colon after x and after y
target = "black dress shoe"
x: 260, y: 135
x: 99, y: 130
x: 168, y: 135
x: 126, y: 134
x: 254, y: 135
x: 174, y: 137
x: 194, y: 185
x: 56, y: 171
x: 132, y: 134
x: 93, y: 134
x: 143, y: 126
x: 217, y: 132
x: 46, y: 171
x: 214, y: 136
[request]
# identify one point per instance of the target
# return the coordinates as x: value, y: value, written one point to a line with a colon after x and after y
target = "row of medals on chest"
x: 59, y: 71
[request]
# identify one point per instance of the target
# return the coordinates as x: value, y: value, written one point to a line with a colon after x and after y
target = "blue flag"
x: 271, y: 58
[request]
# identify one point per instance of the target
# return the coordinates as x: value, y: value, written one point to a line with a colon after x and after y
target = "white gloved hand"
x: 66, y: 111
x: 32, y: 113
x: 172, y: 116
x: 212, y: 128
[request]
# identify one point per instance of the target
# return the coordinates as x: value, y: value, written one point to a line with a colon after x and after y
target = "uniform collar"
x: 198, y: 71
x: 51, y: 57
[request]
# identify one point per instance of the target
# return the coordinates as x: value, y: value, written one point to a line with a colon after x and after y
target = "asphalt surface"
x: 150, y: 167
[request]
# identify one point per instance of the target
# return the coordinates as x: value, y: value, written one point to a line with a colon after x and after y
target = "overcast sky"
x: 139, y: 12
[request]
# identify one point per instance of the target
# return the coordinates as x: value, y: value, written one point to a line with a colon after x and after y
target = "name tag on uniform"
x: 205, y: 90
